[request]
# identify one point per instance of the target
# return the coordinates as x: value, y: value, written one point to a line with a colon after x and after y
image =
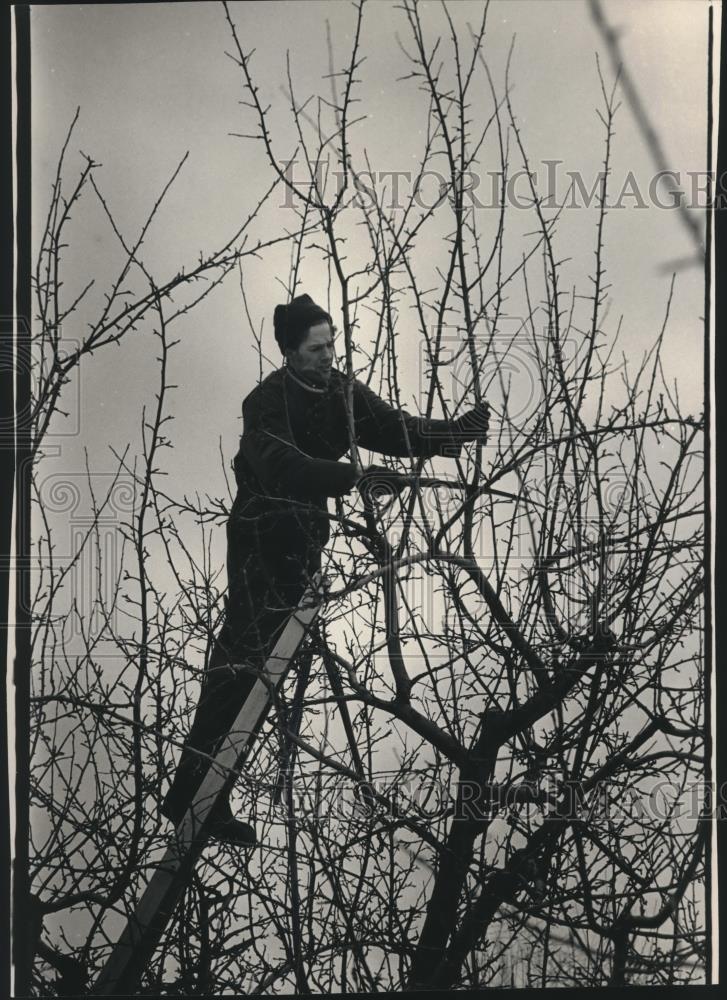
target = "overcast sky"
x: 153, y: 82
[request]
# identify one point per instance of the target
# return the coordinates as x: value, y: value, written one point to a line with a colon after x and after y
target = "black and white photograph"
x: 361, y: 553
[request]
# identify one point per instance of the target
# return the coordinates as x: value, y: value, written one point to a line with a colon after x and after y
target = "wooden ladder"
x: 144, y: 929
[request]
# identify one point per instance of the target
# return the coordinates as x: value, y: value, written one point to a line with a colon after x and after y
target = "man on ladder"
x: 295, y: 430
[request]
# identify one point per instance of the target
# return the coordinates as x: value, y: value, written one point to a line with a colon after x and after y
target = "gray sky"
x: 153, y: 82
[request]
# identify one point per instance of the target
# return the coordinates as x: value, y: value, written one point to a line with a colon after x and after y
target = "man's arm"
x: 385, y: 429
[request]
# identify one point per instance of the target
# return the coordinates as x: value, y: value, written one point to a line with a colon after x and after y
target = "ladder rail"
x: 144, y: 929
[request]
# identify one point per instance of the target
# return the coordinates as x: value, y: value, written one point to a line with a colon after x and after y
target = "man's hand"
x: 473, y: 425
x: 379, y: 483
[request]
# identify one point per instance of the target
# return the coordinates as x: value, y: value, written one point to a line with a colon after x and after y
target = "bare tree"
x: 486, y: 767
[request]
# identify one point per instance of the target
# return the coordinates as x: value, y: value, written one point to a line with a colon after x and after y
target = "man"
x: 295, y: 430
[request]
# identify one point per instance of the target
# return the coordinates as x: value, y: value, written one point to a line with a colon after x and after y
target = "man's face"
x: 314, y: 358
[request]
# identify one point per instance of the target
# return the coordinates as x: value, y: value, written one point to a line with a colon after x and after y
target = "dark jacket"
x: 293, y: 437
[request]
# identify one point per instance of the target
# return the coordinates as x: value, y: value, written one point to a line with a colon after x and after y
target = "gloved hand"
x: 473, y: 425
x: 377, y: 482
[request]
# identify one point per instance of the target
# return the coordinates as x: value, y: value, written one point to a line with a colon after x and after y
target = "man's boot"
x: 224, y: 827
x: 229, y: 830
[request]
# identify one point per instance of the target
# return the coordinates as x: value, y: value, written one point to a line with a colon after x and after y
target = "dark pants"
x: 268, y: 569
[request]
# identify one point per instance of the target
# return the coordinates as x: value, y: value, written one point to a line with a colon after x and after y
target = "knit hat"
x: 292, y: 321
